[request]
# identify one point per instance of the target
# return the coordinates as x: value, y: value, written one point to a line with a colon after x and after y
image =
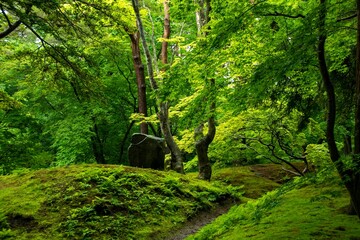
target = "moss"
x: 101, y: 202
x: 300, y: 210
x: 253, y: 184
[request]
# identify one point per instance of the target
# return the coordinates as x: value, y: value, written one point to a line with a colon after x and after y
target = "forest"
x: 256, y: 104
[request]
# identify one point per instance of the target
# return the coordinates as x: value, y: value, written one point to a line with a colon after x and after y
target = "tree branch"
x: 6, y: 17
x: 347, y: 18
x: 277, y: 14
x: 10, y: 29
x: 271, y: 148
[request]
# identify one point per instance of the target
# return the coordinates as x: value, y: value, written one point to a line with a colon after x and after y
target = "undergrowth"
x: 101, y: 202
x: 305, y: 208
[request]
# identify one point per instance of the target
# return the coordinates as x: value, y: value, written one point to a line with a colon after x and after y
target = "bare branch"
x: 271, y: 147
x: 347, y: 18
x: 6, y: 17
x: 277, y: 14
x: 10, y: 29
x: 287, y: 170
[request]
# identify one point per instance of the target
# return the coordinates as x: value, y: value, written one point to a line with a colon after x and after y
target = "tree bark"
x: 176, y: 156
x: 164, y: 107
x: 202, y: 147
x: 140, y: 79
x: 357, y: 90
x: 202, y: 15
x: 331, y: 115
x: 353, y: 185
x: 150, y: 70
x: 10, y: 29
x: 350, y: 177
x: 97, y: 145
x: 166, y: 35
x: 347, y: 145
x: 122, y: 144
x: 203, y: 142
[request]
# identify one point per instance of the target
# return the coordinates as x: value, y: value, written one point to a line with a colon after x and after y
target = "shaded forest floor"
x: 118, y: 202
x: 314, y: 207
x: 255, y: 181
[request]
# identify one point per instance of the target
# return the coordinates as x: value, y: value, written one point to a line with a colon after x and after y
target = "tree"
x: 140, y: 77
x: 350, y: 176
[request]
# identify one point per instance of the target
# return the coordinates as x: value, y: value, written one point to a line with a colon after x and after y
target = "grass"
x: 300, y: 210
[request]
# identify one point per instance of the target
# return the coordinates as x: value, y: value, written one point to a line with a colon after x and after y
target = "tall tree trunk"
x: 97, y: 145
x: 357, y: 84
x: 140, y: 78
x: 202, y: 15
x: 163, y: 113
x: 331, y: 107
x: 154, y: 85
x: 202, y: 142
x: 354, y: 184
x: 351, y: 178
x: 357, y: 91
x: 166, y: 35
x: 347, y: 145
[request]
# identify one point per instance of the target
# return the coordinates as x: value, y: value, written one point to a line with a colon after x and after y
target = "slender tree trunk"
x: 97, y: 145
x: 357, y: 91
x: 140, y: 78
x: 351, y: 178
x: 200, y: 16
x: 354, y: 183
x: 331, y: 107
x: 347, y: 145
x: 122, y: 144
x: 163, y: 113
x: 150, y: 70
x: 166, y: 35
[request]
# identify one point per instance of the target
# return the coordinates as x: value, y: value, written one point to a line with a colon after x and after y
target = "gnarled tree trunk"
x: 202, y: 142
x: 176, y: 156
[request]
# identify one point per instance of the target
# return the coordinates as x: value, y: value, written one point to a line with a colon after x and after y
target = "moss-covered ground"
x: 117, y: 202
x: 102, y: 202
x: 302, y: 209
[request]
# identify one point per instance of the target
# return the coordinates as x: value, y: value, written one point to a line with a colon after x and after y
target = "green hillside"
x: 102, y: 202
x: 303, y: 209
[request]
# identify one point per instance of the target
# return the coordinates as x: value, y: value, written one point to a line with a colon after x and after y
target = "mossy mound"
x: 303, y: 209
x: 254, y: 185
x: 101, y: 202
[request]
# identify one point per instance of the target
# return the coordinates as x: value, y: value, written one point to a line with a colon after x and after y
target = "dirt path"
x: 200, y: 220
x: 269, y: 171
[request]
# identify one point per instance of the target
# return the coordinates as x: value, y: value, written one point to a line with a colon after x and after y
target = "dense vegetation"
x: 225, y: 83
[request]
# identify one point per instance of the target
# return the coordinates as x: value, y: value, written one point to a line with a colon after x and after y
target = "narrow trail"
x: 200, y: 220
x: 204, y: 218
